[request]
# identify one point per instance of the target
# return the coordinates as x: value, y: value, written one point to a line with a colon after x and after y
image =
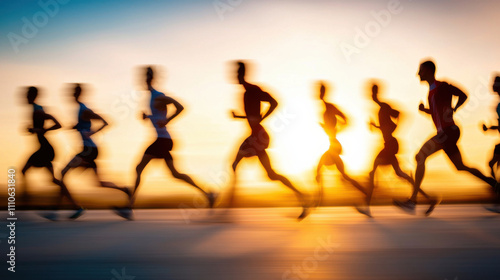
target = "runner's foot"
x: 433, y: 203
x: 305, y: 212
x: 77, y: 213
x: 408, y: 206
x: 124, y: 212
x: 494, y: 208
x: 50, y: 216
x: 364, y: 210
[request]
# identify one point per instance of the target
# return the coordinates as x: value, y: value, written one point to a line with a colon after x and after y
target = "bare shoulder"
x: 332, y: 108
x: 88, y: 114
x: 161, y: 101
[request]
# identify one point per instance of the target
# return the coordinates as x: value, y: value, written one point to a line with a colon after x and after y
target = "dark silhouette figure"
x: 161, y: 148
x: 495, y: 160
x: 258, y: 141
x: 332, y: 157
x: 44, y: 156
x: 387, y: 118
x: 86, y: 158
x: 441, y: 109
x: 496, y: 154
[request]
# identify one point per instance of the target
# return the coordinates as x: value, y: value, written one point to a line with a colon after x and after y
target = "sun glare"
x: 302, y: 150
x: 298, y: 149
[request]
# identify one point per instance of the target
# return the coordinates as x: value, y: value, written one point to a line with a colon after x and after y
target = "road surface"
x: 457, y: 242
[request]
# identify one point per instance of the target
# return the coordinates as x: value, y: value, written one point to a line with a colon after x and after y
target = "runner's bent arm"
x: 494, y: 127
x: 393, y: 112
x: 461, y: 97
x: 90, y: 115
x: 372, y: 123
x: 340, y: 114
x: 56, y: 125
x: 422, y: 108
x: 238, y: 116
x: 272, y: 102
x: 178, y: 108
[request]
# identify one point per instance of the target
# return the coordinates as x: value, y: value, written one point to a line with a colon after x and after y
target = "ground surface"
x: 456, y: 242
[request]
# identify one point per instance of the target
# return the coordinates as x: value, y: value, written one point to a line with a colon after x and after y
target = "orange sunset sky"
x: 291, y: 45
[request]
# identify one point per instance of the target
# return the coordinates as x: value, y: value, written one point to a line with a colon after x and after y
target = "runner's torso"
x: 330, y: 120
x: 387, y: 125
x: 440, y: 98
x: 39, y: 121
x: 158, y: 115
x: 252, y: 99
x: 84, y: 126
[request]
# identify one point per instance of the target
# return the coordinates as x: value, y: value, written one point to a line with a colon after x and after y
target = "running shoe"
x: 433, y: 203
x: 408, y: 206
x: 124, y: 212
x: 494, y: 208
x: 50, y: 216
x: 305, y: 212
x: 365, y: 211
x: 77, y: 213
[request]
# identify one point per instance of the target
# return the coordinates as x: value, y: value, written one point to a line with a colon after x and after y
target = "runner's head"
x: 496, y: 85
x: 149, y: 76
x: 32, y: 94
x: 375, y: 92
x: 241, y: 72
x: 77, y: 92
x: 322, y: 90
x: 427, y: 71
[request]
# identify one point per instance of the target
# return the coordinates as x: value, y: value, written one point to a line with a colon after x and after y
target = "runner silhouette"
x: 495, y: 160
x: 387, y: 117
x: 163, y: 144
x: 496, y: 154
x: 44, y: 156
x: 258, y: 141
x: 441, y: 109
x: 86, y: 158
x: 331, y: 157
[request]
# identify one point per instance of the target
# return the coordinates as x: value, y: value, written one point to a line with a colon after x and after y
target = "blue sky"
x: 80, y: 18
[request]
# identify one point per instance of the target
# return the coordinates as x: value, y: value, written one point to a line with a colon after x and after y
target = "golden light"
x: 298, y: 149
x: 302, y: 150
